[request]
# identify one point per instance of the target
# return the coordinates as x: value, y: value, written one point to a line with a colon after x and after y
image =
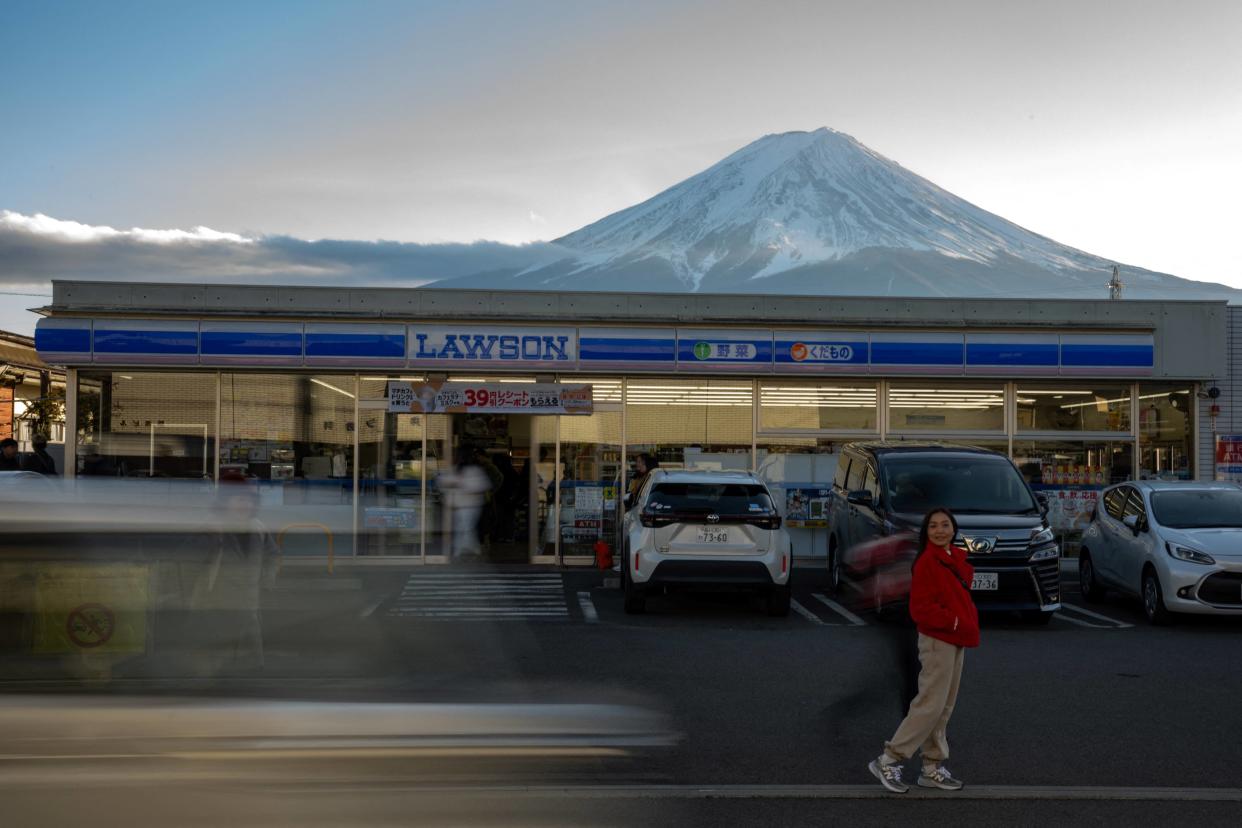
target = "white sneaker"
x: 939, y: 777
x: 889, y: 775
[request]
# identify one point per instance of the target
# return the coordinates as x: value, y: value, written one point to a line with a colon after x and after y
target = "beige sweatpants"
x: 928, y: 717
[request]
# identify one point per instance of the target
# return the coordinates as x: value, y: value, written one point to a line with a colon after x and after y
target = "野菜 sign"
x: 488, y: 398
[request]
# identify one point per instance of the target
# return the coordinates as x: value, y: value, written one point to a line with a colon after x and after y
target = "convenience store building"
x: 345, y: 403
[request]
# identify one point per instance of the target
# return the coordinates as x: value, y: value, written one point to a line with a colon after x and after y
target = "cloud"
x: 36, y: 249
x: 536, y: 218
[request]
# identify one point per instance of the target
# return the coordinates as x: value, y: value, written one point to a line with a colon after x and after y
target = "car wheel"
x: 1153, y: 600
x: 1037, y: 617
x: 778, y: 600
x: 834, y: 569
x: 1087, y: 582
x: 635, y: 597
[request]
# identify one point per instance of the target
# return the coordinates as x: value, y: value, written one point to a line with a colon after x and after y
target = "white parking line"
x: 806, y: 613
x: 588, y: 608
x: 1084, y: 611
x: 366, y: 613
x: 1082, y: 623
x: 840, y: 610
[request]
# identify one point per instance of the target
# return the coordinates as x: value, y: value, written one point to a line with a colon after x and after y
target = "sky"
x: 397, y: 131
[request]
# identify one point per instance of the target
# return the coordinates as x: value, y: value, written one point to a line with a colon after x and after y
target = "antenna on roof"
x: 1115, y: 284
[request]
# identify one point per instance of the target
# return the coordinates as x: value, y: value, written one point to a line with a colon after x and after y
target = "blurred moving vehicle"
x: 883, y: 488
x: 705, y: 528
x: 1176, y: 545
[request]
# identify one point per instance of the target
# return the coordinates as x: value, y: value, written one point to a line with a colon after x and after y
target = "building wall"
x: 1229, y: 421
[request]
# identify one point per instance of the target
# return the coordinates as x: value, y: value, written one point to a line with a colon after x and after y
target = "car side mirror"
x: 860, y: 497
x: 1132, y: 521
x: 1042, y: 500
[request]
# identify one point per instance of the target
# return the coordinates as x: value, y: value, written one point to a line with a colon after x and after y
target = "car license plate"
x: 708, y: 535
x: 984, y: 580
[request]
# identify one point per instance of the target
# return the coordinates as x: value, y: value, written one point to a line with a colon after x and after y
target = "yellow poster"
x: 91, y: 608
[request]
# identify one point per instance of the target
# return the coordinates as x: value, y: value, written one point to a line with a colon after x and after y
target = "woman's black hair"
x: 923, y: 540
x: 649, y: 460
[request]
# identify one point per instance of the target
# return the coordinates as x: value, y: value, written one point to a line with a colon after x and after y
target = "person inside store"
x: 9, y: 460
x: 644, y: 464
x: 39, y: 460
x: 466, y: 486
x: 948, y: 623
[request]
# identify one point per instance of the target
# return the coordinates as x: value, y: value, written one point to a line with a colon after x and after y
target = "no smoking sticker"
x: 90, y: 625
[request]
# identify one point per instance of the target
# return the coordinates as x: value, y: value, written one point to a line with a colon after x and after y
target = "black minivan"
x: 882, y: 488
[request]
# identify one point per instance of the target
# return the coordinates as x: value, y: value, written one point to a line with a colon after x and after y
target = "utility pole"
x: 1115, y: 284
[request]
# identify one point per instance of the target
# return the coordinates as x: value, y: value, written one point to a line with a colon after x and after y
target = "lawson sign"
x: 458, y: 345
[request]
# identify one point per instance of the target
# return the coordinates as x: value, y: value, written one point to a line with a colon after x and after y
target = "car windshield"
x: 706, y: 498
x: 977, y: 484
x: 1198, y: 509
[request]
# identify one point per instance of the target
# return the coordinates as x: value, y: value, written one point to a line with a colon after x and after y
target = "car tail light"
x: 784, y: 563
x: 637, y: 555
x: 766, y: 522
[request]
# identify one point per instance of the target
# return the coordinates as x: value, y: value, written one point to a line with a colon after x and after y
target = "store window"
x: 791, y: 405
x: 293, y: 434
x: 945, y: 407
x: 146, y: 424
x: 1066, y: 407
x: 1071, y: 475
x: 690, y: 423
x: 1165, y: 431
x: 799, y: 472
x: 591, y: 465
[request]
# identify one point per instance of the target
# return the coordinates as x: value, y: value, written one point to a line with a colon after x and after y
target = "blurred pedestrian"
x: 948, y: 623
x: 466, y: 486
x: 9, y: 460
x: 242, y: 559
x: 39, y: 460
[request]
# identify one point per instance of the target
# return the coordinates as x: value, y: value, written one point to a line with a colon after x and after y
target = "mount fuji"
x: 819, y: 213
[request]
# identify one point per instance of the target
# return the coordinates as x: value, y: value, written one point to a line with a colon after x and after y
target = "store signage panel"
x: 1018, y: 354
x: 824, y: 352
x: 344, y: 344
x: 627, y: 348
x: 1229, y: 458
x: 492, y: 346
x: 64, y: 341
x: 145, y: 341
x: 1122, y: 355
x: 918, y: 353
x: 250, y: 343
x: 724, y: 350
x: 488, y: 398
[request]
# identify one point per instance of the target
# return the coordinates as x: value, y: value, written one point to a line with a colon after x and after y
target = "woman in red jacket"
x: 948, y: 623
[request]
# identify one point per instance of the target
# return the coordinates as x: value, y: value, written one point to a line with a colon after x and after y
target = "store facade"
x: 345, y: 405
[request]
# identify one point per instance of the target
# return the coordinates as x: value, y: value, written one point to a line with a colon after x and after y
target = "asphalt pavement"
x: 1096, y: 716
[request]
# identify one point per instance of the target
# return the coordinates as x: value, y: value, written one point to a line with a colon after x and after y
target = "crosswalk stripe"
x: 468, y: 596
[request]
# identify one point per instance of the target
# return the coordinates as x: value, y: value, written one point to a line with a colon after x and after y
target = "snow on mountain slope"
x: 819, y: 213
x: 802, y: 198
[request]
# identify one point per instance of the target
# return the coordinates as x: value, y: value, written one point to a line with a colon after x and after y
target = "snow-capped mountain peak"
x: 802, y: 198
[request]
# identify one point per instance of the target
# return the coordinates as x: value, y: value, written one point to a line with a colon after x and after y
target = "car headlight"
x: 1046, y: 554
x: 1042, y: 536
x: 1185, y: 553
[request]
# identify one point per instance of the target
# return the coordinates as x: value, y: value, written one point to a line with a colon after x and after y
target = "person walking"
x: 467, y: 486
x: 948, y: 623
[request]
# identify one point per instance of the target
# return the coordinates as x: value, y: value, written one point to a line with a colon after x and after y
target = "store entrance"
x: 516, y: 453
x: 416, y: 499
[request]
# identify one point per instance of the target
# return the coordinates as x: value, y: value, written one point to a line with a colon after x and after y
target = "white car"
x: 705, y: 528
x: 1175, y: 545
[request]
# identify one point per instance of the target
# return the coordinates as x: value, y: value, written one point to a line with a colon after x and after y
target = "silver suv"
x: 705, y: 528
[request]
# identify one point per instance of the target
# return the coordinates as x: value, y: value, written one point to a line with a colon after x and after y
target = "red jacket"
x: 940, y: 601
